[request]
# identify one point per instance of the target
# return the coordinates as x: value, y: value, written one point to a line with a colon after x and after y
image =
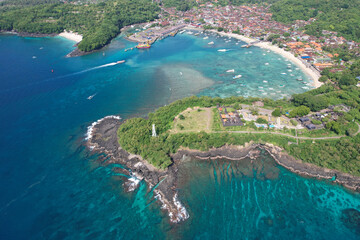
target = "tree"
x: 300, y: 111
x: 261, y: 121
x: 333, y: 126
x: 276, y: 112
x: 323, y: 79
x: 347, y: 79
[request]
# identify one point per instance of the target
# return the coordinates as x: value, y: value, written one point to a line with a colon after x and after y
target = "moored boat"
x: 142, y: 46
x: 237, y: 76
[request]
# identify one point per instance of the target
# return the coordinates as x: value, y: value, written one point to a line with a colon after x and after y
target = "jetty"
x: 150, y: 35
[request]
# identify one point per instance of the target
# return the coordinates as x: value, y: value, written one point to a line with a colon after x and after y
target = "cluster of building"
x: 232, y: 117
x: 256, y: 22
x: 318, y: 120
x: 229, y: 117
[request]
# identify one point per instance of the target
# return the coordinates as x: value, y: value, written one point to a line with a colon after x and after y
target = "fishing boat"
x: 299, y: 79
x: 143, y: 46
x: 211, y: 43
x: 237, y: 76
x: 182, y: 31
x: 283, y: 73
x: 205, y: 37
x: 230, y: 71
x: 122, y: 61
x: 222, y: 50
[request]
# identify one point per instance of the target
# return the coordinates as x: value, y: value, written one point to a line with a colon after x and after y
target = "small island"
x: 307, y: 135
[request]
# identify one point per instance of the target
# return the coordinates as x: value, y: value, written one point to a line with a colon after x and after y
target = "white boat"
x: 230, y: 71
x: 305, y: 87
x: 223, y: 50
x: 265, y: 81
x: 196, y: 34
x: 211, y: 43
x: 266, y: 63
x: 237, y: 76
x: 180, y: 73
x: 182, y: 31
x: 205, y: 37
x: 299, y: 79
x: 190, y: 32
x: 119, y: 62
x: 283, y: 73
x: 91, y: 97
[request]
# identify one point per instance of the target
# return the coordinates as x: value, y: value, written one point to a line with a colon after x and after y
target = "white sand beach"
x: 267, y: 45
x: 71, y: 36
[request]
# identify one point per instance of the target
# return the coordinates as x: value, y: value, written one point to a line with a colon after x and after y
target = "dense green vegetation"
x: 98, y: 23
x: 336, y: 15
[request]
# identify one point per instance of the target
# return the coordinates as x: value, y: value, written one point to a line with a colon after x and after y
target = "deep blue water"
x: 53, y: 188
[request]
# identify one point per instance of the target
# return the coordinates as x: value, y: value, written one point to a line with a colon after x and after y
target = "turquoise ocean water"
x: 52, y: 187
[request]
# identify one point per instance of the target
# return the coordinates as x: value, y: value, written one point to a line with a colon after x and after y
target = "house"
x: 304, y: 119
x: 310, y: 126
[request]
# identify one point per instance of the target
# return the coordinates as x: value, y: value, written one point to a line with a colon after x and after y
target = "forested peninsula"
x: 191, y: 128
x: 98, y: 23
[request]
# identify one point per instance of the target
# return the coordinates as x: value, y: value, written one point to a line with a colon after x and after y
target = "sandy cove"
x: 305, y: 67
x: 71, y: 36
x: 102, y: 138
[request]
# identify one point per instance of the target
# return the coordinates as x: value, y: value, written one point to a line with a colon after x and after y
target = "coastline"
x: 102, y: 138
x: 71, y: 36
x: 267, y: 45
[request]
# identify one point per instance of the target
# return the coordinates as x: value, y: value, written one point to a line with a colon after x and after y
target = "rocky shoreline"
x: 102, y: 138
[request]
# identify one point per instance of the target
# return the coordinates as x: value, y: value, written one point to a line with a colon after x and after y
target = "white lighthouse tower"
x: 153, y: 130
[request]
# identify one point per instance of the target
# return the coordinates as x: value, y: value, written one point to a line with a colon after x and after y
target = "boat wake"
x: 61, y: 77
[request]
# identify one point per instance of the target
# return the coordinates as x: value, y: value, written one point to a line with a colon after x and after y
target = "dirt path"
x: 208, y: 119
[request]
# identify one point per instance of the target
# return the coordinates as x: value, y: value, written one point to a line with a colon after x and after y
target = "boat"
x: 283, y: 73
x: 196, y: 34
x: 122, y: 61
x: 299, y: 79
x: 281, y: 85
x: 265, y: 81
x: 211, y: 43
x: 237, y: 76
x: 143, y: 46
x: 182, y: 31
x: 266, y: 63
x: 230, y: 71
x: 91, y: 97
x: 245, y: 46
x: 190, y: 32
x: 222, y: 50
x: 205, y: 37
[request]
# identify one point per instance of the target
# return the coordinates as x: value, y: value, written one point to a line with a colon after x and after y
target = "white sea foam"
x: 134, y: 182
x: 182, y: 213
x: 90, y: 128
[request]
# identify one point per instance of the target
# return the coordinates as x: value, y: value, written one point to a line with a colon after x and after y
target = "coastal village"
x: 255, y: 22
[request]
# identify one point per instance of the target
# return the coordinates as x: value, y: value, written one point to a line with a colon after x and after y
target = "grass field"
x: 196, y: 120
